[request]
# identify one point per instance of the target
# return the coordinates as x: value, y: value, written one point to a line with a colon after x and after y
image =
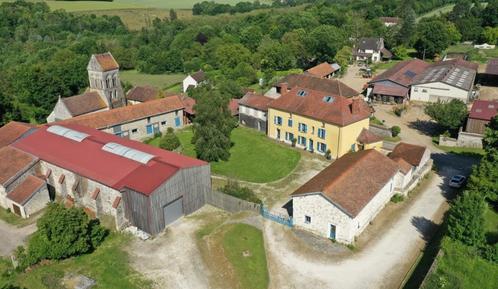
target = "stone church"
x: 105, y: 91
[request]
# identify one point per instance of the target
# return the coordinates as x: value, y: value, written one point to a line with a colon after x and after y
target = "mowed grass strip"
x: 244, y: 248
x: 157, y: 80
x: 253, y: 157
x: 108, y: 266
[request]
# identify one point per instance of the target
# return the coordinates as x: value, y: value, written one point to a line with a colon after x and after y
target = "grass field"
x: 157, y: 80
x: 15, y: 220
x: 127, y: 4
x: 437, y: 11
x: 108, y: 265
x: 254, y: 157
x: 245, y: 250
x: 477, y: 152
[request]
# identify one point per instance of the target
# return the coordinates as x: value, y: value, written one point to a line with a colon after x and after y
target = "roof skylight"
x: 67, y: 133
x: 127, y: 152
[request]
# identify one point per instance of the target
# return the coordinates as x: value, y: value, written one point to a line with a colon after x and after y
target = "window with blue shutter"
x: 177, y: 121
x: 303, y: 127
x: 277, y: 120
x: 321, y: 147
x: 149, y: 129
x: 321, y: 133
x: 289, y: 122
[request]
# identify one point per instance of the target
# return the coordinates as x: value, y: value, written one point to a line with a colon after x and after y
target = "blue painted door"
x: 332, y: 232
x: 149, y: 128
x: 177, y: 121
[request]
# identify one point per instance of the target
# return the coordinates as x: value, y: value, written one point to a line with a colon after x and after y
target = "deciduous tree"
x: 449, y: 115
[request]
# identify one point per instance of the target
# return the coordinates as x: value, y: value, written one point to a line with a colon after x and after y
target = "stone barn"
x: 135, y: 183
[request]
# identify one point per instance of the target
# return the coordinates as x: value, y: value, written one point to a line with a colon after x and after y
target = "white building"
x: 253, y: 110
x: 345, y: 197
x: 193, y: 80
x: 444, y: 81
x: 371, y: 49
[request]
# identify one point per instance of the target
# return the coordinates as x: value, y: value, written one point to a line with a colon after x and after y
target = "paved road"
x: 384, y: 263
x: 11, y: 237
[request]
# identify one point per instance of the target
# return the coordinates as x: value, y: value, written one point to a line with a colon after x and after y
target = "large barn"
x: 135, y: 183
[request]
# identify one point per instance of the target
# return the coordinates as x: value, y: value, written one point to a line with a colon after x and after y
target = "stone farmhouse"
x: 371, y: 50
x: 393, y: 85
x: 253, y: 111
x: 136, y: 122
x: 340, y: 201
x: 324, y: 70
x: 193, y: 80
x: 105, y: 91
x: 445, y: 80
x: 318, y: 121
x: 136, y: 184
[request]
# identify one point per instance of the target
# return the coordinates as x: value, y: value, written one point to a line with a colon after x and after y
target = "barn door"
x: 173, y: 211
x: 17, y: 209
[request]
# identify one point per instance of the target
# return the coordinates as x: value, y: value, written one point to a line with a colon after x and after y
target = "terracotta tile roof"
x: 409, y: 152
x: 492, y: 66
x: 233, y: 105
x: 256, y: 101
x: 107, y: 61
x: 322, y: 69
x: 25, y: 190
x: 143, y: 93
x: 330, y: 86
x: 84, y: 103
x: 396, y: 20
x: 393, y: 89
x: 188, y: 103
x: 404, y: 166
x: 199, y: 76
x: 353, y: 180
x: 12, y: 162
x: 368, y: 137
x: 484, y: 109
x: 322, y: 106
x: 12, y: 131
x: 109, y: 118
x: 403, y: 73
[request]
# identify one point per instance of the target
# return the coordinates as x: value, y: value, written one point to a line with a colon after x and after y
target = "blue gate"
x: 276, y: 218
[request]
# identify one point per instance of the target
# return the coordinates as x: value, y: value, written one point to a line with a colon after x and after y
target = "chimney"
x: 284, y: 87
x: 356, y: 105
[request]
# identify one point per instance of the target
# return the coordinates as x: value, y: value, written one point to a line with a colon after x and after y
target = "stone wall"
x: 447, y: 141
x: 471, y: 140
x: 382, y: 131
x: 230, y: 203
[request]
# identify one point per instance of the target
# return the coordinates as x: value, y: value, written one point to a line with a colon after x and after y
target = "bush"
x: 449, y: 115
x: 398, y: 110
x: 170, y: 140
x: 466, y: 219
x: 62, y: 233
x: 328, y: 154
x: 395, y: 130
x: 234, y: 189
x: 397, y: 198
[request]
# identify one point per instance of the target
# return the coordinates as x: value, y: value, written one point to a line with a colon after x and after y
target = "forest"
x: 44, y: 53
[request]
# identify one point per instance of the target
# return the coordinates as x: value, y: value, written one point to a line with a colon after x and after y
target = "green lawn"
x: 156, y: 80
x: 437, y: 11
x: 254, y: 157
x: 13, y: 219
x: 476, y: 55
x: 108, y: 265
x: 251, y: 270
x: 491, y: 219
x: 461, y: 267
x: 477, y: 152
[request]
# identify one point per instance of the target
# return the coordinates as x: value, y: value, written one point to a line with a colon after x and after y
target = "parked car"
x: 457, y: 181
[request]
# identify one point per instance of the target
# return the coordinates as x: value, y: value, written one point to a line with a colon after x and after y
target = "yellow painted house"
x: 317, y: 121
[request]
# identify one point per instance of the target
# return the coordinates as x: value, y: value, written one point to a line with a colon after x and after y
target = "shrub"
x: 466, y: 219
x: 398, y: 110
x: 328, y: 154
x: 397, y: 198
x: 395, y: 130
x: 234, y: 189
x: 293, y: 142
x: 62, y: 233
x: 170, y: 140
x: 158, y: 134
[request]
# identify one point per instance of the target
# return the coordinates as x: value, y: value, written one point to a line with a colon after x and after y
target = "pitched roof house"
x: 340, y: 201
x: 330, y: 86
x: 13, y: 131
x: 324, y: 70
x: 104, y: 93
x: 193, y: 80
x: 480, y: 115
x: 135, y: 183
x: 253, y: 110
x: 371, y: 49
x: 137, y: 121
x: 394, y: 83
x: 140, y: 94
x: 315, y: 119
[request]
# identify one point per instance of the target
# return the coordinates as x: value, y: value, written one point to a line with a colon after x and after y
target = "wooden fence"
x: 229, y: 203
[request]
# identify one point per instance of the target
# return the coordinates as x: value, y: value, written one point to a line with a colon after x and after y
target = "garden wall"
x: 380, y: 130
x: 229, y: 203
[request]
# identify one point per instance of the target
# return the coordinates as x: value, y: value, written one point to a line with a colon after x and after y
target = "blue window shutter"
x: 177, y: 121
x: 149, y: 128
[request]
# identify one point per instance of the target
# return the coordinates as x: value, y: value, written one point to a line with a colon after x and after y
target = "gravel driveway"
x: 13, y: 236
x: 385, y: 262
